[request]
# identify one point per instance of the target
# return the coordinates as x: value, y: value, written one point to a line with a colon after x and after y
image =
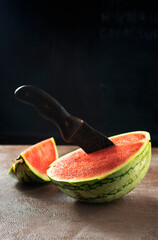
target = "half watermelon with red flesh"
x: 32, y: 163
x: 107, y: 174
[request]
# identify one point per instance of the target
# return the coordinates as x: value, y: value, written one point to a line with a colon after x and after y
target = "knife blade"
x: 73, y: 129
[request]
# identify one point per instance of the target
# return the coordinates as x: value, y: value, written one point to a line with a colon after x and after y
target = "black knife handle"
x: 50, y: 109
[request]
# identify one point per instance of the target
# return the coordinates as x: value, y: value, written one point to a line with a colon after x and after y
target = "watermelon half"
x: 107, y: 174
x: 32, y: 164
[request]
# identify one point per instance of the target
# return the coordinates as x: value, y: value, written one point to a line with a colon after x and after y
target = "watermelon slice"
x: 32, y: 164
x: 107, y: 174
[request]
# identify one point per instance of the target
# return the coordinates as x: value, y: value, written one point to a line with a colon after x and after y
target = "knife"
x: 73, y: 129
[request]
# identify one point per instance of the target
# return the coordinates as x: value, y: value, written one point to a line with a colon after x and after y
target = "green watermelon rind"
x: 113, y: 186
x: 24, y: 172
x: 147, y: 134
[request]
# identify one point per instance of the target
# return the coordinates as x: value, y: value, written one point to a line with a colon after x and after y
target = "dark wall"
x: 100, y: 60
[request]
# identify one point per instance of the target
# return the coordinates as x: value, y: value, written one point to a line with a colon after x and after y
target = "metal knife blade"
x: 73, y: 129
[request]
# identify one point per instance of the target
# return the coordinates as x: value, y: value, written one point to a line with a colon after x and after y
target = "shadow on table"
x: 37, y: 190
x: 135, y: 217
x: 131, y: 215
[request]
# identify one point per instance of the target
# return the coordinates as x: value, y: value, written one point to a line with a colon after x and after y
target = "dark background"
x: 98, y: 58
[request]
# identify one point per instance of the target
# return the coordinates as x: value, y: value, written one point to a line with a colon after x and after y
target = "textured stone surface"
x: 43, y: 212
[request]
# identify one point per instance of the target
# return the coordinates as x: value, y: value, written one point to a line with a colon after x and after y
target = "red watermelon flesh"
x: 79, y: 165
x: 39, y: 156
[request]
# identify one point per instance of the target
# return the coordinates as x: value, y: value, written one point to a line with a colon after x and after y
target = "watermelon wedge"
x: 32, y: 164
x: 107, y: 174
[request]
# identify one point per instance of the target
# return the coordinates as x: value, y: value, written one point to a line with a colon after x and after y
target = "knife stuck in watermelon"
x: 106, y: 174
x: 101, y: 170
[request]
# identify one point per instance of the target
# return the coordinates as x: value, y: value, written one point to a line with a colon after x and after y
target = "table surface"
x: 43, y: 212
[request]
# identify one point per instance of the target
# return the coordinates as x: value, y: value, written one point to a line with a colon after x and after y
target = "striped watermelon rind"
x: 114, y: 185
x: 24, y: 172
